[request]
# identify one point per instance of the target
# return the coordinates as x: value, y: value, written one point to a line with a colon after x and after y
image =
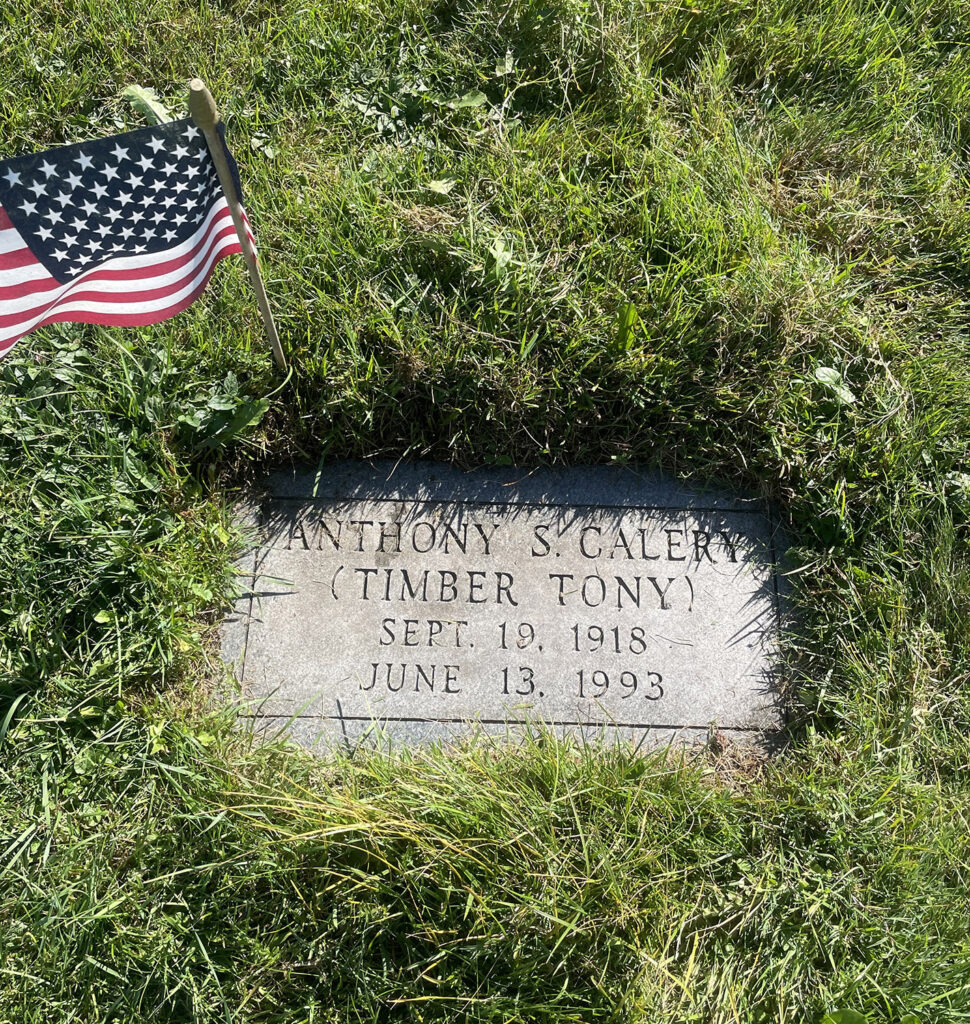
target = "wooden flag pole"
x: 202, y: 107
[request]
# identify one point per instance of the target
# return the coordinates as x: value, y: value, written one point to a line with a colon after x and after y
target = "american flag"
x: 122, y: 231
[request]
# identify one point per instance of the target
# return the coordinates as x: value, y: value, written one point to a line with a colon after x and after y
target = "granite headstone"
x: 415, y: 602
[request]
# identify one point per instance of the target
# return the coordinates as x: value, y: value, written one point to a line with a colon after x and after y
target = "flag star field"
x: 124, y: 230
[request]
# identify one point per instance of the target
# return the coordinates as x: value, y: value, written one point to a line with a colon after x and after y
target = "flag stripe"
x: 134, y: 318
x: 24, y: 296
x: 100, y: 304
x: 73, y: 298
x: 11, y: 243
x: 33, y: 279
x: 29, y: 272
x: 123, y: 315
x: 19, y: 291
x: 5, y: 222
x: 10, y: 239
x: 16, y: 259
x: 77, y: 296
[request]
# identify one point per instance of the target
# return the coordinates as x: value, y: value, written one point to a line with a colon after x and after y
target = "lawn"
x: 729, y: 238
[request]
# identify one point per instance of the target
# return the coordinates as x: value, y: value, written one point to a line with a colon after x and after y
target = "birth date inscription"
x: 405, y: 612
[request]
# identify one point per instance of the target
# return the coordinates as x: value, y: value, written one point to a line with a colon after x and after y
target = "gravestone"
x: 414, y: 602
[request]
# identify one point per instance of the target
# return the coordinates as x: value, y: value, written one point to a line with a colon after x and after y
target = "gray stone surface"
x: 413, y: 602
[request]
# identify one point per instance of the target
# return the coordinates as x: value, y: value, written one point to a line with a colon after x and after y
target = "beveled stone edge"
x: 574, y: 486
x: 324, y: 735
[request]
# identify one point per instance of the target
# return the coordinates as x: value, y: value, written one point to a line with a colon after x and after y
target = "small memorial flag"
x: 122, y: 231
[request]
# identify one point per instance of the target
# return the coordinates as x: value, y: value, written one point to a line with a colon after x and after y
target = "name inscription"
x: 395, y: 611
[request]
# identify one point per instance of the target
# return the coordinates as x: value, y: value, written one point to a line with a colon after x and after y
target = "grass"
x: 729, y: 238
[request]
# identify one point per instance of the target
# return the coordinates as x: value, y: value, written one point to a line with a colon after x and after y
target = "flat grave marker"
x: 415, y: 602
